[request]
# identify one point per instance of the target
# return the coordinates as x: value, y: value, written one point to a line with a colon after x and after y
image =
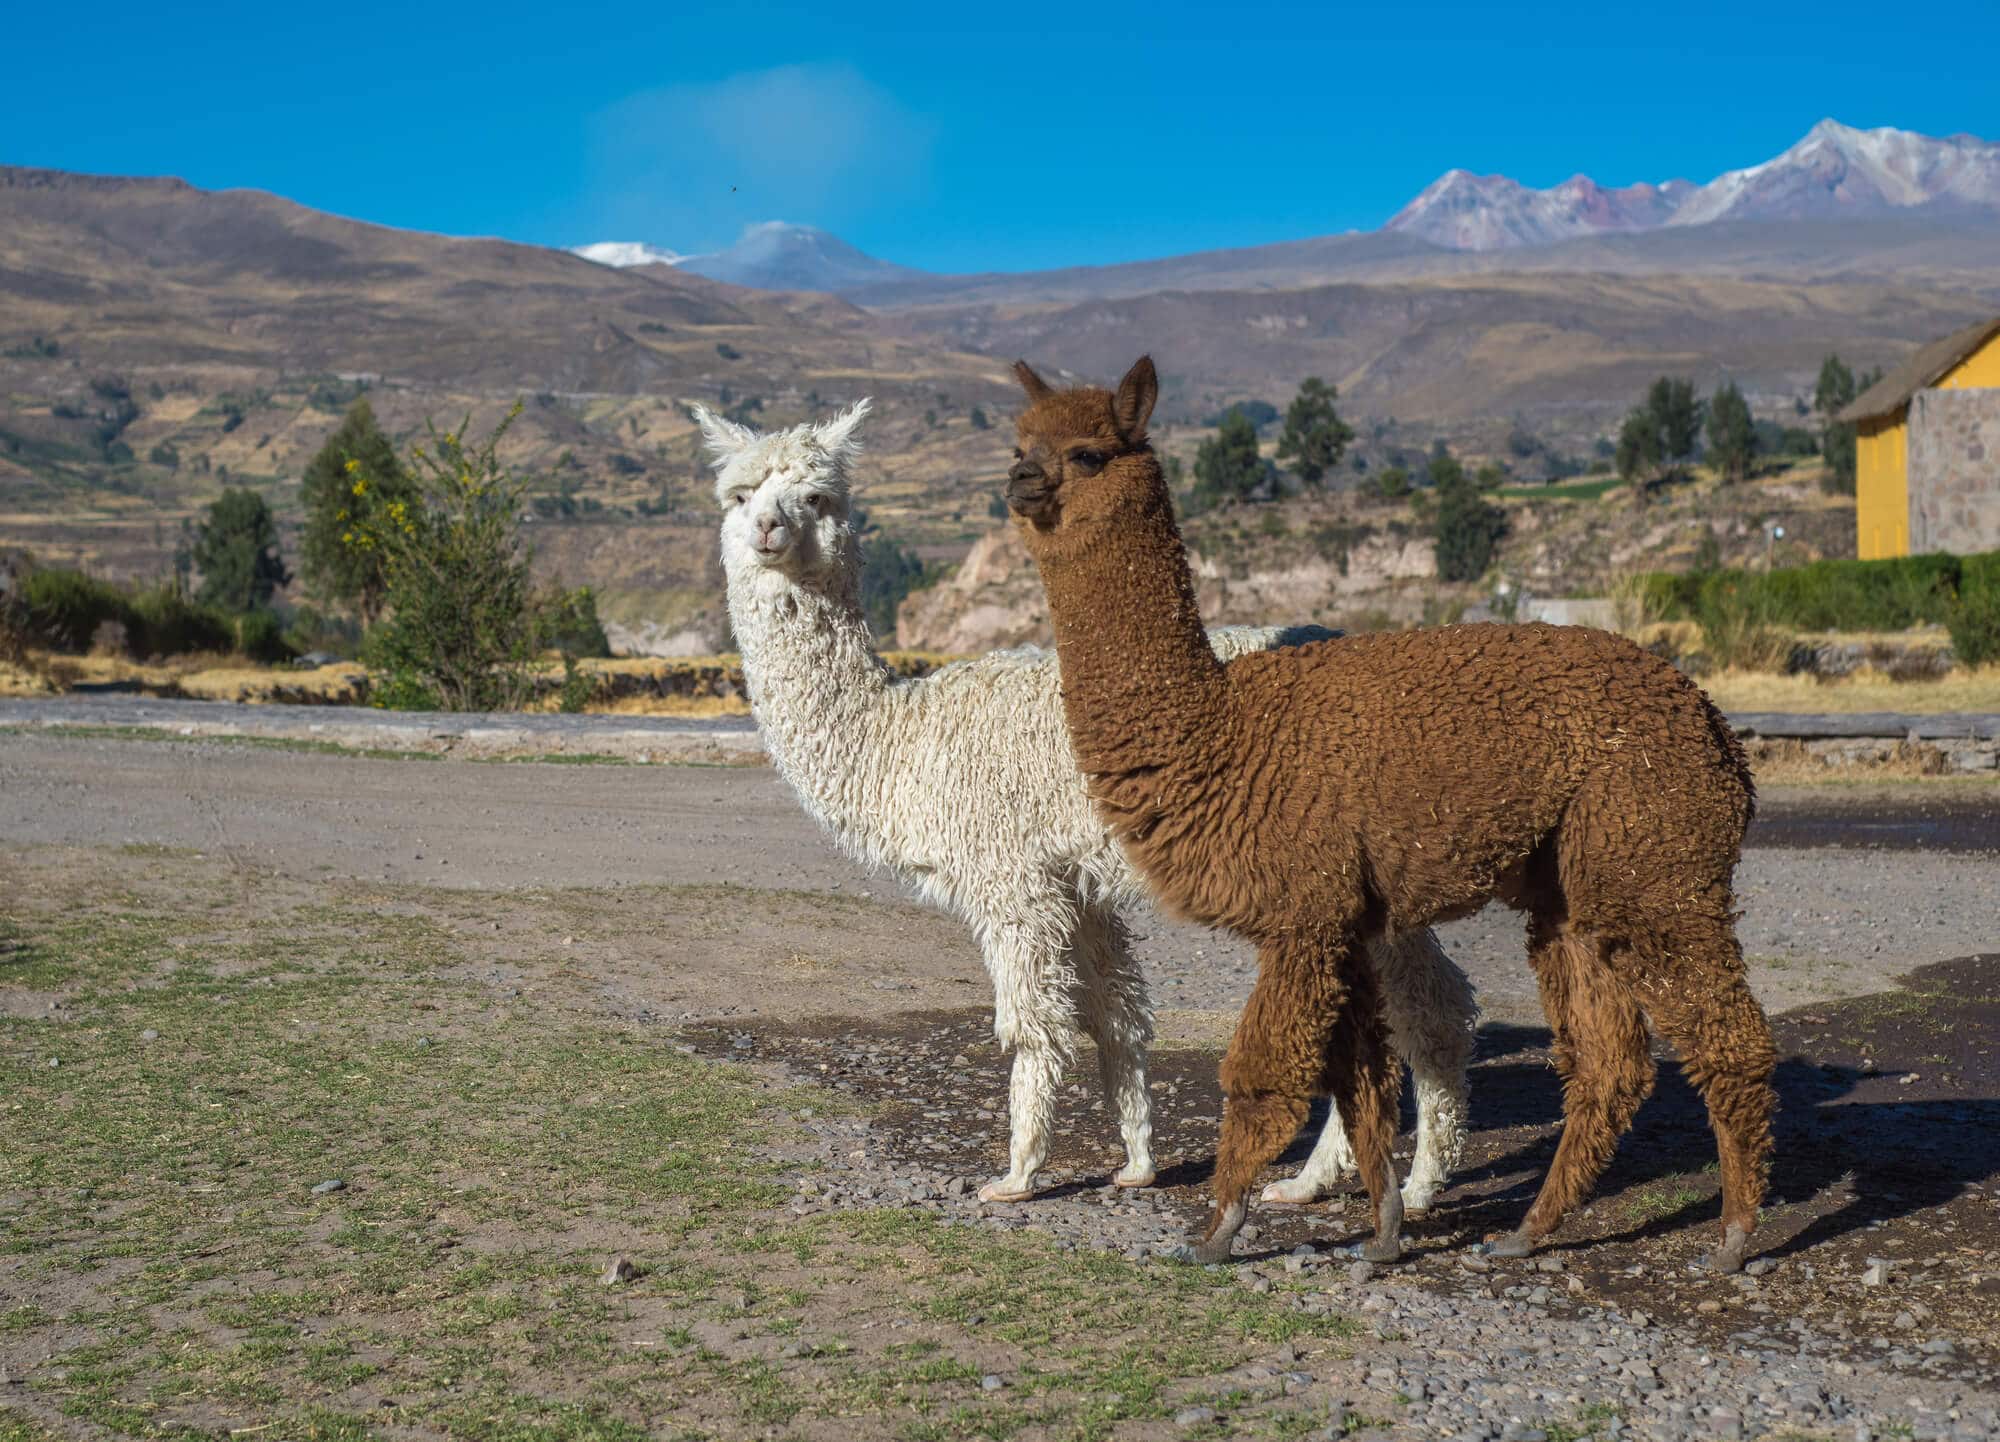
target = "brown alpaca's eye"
x: 1089, y: 462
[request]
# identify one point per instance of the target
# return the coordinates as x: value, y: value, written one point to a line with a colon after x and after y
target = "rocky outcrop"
x: 994, y: 599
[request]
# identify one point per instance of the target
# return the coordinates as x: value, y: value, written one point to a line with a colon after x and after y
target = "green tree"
x: 1732, y: 434
x: 1469, y: 528
x: 1659, y: 435
x: 1638, y: 447
x: 1677, y: 413
x: 1835, y: 387
x: 334, y: 568
x: 1315, y: 437
x: 236, y: 551
x: 1834, y: 392
x: 1227, y: 465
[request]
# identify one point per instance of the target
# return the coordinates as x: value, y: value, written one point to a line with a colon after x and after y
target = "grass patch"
x: 169, y: 1237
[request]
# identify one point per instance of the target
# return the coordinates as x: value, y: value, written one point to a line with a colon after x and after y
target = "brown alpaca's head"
x: 1081, y: 454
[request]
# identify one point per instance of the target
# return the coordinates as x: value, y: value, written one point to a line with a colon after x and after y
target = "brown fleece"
x: 1311, y: 797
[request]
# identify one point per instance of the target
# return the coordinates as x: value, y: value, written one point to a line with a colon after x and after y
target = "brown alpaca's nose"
x: 1028, y: 489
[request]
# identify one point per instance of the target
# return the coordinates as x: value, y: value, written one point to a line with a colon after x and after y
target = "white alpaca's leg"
x: 1034, y: 985
x: 1332, y: 1158
x: 1118, y: 1014
x: 1429, y: 1006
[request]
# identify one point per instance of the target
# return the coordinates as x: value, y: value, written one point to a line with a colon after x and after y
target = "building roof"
x: 1929, y: 365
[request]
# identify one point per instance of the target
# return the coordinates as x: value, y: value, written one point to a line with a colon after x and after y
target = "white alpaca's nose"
x: 772, y: 534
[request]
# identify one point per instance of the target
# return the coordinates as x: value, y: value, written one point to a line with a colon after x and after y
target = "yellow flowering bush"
x: 463, y: 627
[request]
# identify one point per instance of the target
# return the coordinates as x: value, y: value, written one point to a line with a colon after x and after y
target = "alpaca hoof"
x: 1729, y: 1258
x: 1513, y: 1244
x: 1128, y: 1176
x: 1005, y: 1189
x: 1223, y: 1224
x: 1208, y: 1253
x: 1292, y: 1192
x: 1417, y: 1200
x: 1382, y: 1249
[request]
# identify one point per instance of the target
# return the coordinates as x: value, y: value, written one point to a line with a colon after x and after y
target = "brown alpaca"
x: 1313, y: 797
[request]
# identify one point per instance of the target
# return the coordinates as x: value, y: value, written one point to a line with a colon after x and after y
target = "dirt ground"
x: 698, y: 904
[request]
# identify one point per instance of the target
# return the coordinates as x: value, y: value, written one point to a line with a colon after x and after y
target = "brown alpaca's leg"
x: 1366, y: 1083
x: 1278, y: 1059
x: 1606, y: 1066
x: 1691, y: 976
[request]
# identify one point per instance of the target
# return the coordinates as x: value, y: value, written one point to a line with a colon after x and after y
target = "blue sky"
x: 952, y: 137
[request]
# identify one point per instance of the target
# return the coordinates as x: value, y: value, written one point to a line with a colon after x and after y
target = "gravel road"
x: 1613, y: 1333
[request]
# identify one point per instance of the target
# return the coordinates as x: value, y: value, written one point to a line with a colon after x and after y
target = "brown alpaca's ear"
x: 1037, y: 388
x: 1132, y: 407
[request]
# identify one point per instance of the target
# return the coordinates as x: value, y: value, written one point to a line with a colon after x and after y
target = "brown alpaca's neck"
x: 1141, y: 687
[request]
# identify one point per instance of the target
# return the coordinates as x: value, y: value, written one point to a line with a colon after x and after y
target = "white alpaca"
x: 964, y: 785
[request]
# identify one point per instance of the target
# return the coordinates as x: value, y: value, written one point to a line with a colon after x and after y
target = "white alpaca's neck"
x: 817, y: 687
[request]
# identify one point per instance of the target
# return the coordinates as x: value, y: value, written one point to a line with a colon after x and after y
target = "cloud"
x: 819, y: 144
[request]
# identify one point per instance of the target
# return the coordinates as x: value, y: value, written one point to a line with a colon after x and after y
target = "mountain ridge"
x: 1835, y: 173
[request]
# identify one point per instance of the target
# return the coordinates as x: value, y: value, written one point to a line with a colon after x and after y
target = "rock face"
x: 994, y: 599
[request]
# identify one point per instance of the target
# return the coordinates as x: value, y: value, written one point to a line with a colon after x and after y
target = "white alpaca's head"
x: 784, y: 495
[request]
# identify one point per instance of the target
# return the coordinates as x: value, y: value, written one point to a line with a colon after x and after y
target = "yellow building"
x: 1927, y: 450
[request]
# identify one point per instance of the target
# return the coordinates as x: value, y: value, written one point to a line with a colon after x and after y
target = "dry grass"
x: 1962, y: 690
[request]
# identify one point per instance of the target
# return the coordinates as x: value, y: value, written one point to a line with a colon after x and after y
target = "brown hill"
x: 156, y: 339
x: 1568, y: 351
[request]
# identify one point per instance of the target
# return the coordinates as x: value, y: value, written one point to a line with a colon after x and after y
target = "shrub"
x: 1975, y: 617
x: 65, y: 608
x: 1975, y: 627
x: 463, y: 629
x: 165, y: 622
x: 570, y: 624
x: 1741, y: 628
x: 336, y: 570
x: 891, y: 573
x: 260, y: 635
x: 236, y: 551
x: 1888, y: 595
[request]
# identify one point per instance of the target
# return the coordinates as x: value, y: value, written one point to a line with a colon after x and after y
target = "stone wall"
x: 1954, y: 459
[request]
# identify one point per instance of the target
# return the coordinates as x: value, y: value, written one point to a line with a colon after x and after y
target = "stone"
x: 619, y: 1271
x: 1194, y: 1416
x: 1361, y: 1273
x: 149, y: 1035
x: 329, y: 1186
x: 991, y: 1382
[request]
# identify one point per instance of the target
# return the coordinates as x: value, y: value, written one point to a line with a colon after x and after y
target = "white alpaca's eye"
x: 817, y: 503
x: 738, y: 498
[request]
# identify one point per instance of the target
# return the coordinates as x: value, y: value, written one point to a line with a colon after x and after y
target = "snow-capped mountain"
x: 1838, y: 170
x: 1835, y: 170
x: 1463, y: 211
x: 772, y: 255
x: 622, y: 253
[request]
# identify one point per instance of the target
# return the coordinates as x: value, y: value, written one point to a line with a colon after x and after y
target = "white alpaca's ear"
x: 836, y: 437
x: 724, y: 438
